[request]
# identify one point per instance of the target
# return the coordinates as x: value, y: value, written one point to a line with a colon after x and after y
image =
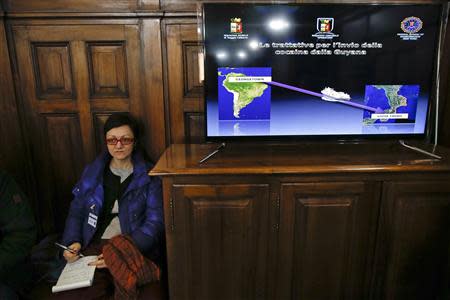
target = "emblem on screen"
x: 411, y: 25
x: 325, y: 24
x: 236, y: 25
x: 324, y: 28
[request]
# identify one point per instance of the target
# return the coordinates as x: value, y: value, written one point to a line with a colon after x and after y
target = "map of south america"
x: 243, y: 92
x: 243, y: 99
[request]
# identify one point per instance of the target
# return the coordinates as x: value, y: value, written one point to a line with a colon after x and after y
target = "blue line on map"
x: 297, y: 89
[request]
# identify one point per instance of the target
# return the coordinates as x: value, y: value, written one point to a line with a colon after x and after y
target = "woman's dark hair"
x: 121, y: 119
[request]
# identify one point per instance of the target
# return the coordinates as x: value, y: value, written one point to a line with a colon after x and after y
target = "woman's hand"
x: 99, y: 263
x: 71, y: 257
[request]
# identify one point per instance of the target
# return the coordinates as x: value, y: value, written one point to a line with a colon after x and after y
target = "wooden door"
x: 71, y: 77
x: 326, y: 239
x: 413, y: 242
x: 217, y: 241
x: 184, y: 87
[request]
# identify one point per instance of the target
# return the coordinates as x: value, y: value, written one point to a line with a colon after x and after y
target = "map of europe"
x: 243, y: 100
x: 392, y: 99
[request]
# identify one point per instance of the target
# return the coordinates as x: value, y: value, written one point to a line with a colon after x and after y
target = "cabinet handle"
x: 172, y: 217
x: 276, y: 226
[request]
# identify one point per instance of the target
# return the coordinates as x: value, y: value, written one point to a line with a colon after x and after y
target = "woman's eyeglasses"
x: 122, y: 140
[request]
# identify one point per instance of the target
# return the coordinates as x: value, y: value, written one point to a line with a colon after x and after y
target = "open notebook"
x: 76, y: 275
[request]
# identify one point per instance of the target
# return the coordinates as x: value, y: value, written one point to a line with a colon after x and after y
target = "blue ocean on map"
x: 376, y: 96
x: 257, y: 109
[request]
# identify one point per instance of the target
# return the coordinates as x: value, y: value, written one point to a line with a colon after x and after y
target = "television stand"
x: 420, y: 150
x: 221, y: 146
x: 316, y: 221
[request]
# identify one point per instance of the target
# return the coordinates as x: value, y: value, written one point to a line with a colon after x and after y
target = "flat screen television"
x: 319, y: 70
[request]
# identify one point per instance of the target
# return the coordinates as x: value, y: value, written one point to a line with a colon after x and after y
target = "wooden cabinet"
x: 287, y: 222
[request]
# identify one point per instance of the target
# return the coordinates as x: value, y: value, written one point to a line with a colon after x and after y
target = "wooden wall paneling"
x: 194, y: 5
x: 179, y: 5
x: 111, y: 80
x: 107, y: 69
x: 65, y: 154
x: 81, y: 75
x: 414, y: 241
x: 71, y: 5
x: 35, y: 125
x: 184, y: 93
x: 326, y: 237
x: 133, y: 60
x: 153, y: 87
x: 52, y: 70
x: 14, y: 155
x: 194, y: 127
x: 148, y: 4
x: 72, y: 77
x: 192, y: 85
x: 99, y: 122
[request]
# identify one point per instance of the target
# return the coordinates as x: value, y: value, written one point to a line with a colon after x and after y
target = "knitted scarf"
x: 128, y: 266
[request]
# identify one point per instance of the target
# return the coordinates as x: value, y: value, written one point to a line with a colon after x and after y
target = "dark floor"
x: 41, y: 291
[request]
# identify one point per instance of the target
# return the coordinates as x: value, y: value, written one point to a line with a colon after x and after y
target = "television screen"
x: 310, y: 70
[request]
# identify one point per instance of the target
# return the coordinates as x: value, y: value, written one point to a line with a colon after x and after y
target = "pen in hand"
x: 68, y: 249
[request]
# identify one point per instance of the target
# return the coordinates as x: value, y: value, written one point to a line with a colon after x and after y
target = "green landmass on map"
x: 243, y: 92
x: 395, y: 101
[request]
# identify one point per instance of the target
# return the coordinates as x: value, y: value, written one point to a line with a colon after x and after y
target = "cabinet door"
x: 327, y: 232
x: 217, y: 240
x: 71, y: 77
x: 414, y: 239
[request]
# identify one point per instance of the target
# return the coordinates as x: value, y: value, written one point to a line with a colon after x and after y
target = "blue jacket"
x: 140, y: 208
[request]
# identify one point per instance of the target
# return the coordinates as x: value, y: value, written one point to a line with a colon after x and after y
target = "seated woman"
x: 117, y: 214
